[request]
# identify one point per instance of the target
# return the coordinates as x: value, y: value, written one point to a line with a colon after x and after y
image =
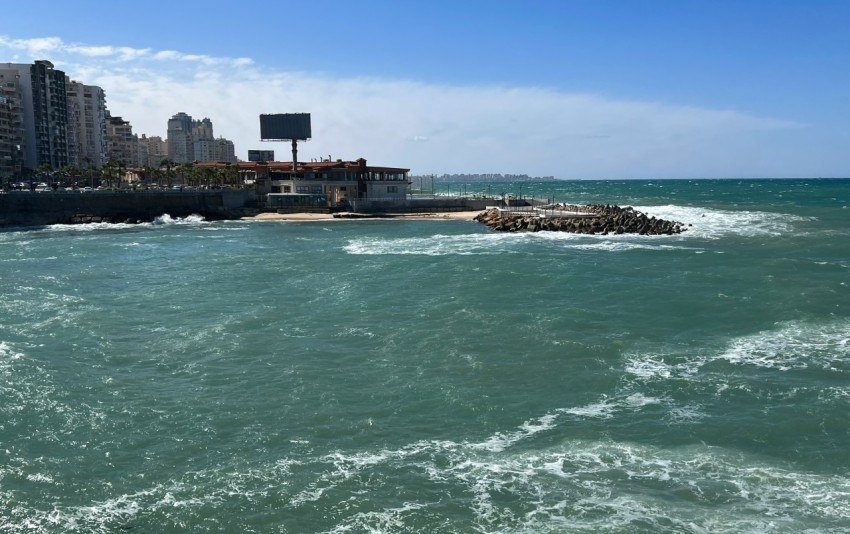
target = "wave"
x: 701, y: 223
x: 795, y: 345
x: 162, y: 220
x: 436, y: 245
x: 166, y: 219
x: 711, y: 223
x: 507, y: 482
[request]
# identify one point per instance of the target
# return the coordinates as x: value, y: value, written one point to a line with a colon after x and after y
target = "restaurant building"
x: 322, y: 184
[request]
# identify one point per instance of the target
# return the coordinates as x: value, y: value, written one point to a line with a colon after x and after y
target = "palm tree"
x: 110, y: 169
x: 89, y: 166
x: 231, y: 175
x: 168, y: 164
x: 208, y: 174
x: 184, y: 169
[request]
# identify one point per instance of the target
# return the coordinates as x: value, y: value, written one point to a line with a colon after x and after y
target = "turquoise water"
x: 433, y: 376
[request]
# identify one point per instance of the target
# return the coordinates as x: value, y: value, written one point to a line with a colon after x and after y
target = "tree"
x: 43, y: 172
x: 231, y: 175
x: 168, y: 164
x: 111, y: 170
x: 90, y: 167
x: 208, y: 174
x: 147, y: 174
x: 184, y: 170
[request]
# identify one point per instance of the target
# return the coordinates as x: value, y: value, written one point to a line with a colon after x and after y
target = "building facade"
x: 179, y: 138
x: 122, y: 145
x: 11, y: 128
x: 322, y: 184
x: 226, y: 150
x: 154, y: 149
x: 191, y: 140
x: 45, y: 113
x: 87, y: 146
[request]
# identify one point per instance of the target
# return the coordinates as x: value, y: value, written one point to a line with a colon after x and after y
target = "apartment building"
x: 154, y: 149
x: 179, y: 138
x: 193, y: 140
x: 121, y: 144
x: 11, y: 127
x: 45, y: 112
x: 86, y: 124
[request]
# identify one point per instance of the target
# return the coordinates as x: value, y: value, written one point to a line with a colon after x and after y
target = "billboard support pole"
x: 295, y: 155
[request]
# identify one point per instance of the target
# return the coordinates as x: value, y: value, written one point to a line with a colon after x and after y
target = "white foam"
x: 607, y: 407
x: 603, y: 409
x: 40, y: 477
x: 571, y: 485
x: 166, y: 219
x: 714, y: 224
x: 88, y: 227
x: 387, y: 520
x: 794, y: 345
x: 438, y: 245
x: 501, y: 441
x: 706, y: 223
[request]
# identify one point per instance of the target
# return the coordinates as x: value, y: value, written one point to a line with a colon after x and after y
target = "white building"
x: 190, y: 140
x: 179, y: 136
x: 86, y: 124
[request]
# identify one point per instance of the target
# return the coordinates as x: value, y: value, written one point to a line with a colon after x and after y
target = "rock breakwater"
x: 600, y: 219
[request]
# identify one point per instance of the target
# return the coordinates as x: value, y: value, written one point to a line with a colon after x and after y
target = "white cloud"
x: 32, y: 47
x: 536, y: 130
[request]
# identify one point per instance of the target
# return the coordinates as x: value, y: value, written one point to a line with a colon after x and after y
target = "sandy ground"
x: 454, y: 215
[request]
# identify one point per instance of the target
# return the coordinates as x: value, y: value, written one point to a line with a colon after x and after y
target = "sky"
x: 592, y: 89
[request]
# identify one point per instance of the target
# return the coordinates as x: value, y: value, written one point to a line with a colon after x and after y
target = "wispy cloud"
x: 428, y: 127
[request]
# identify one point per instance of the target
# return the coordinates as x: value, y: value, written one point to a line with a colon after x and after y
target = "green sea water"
x: 435, y: 376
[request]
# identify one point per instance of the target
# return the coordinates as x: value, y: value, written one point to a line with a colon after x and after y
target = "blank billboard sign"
x: 285, y: 126
x: 261, y: 155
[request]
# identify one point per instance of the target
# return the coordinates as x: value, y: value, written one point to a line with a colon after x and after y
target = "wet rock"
x: 595, y: 219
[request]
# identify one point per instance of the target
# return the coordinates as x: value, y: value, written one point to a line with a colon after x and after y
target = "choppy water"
x: 432, y: 376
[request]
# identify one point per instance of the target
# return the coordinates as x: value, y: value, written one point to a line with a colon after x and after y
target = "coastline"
x: 454, y: 216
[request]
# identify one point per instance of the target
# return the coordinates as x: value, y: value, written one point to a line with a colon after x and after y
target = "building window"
x: 287, y: 189
x: 312, y: 189
x: 392, y: 189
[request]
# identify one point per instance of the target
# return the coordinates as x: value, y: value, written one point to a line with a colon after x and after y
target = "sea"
x: 386, y: 376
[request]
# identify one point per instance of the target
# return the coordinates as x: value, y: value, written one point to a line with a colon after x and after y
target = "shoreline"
x: 430, y: 216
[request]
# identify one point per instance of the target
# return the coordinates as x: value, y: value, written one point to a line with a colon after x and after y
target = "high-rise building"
x: 86, y: 124
x: 202, y: 129
x: 11, y: 127
x: 226, y: 150
x: 179, y: 137
x: 45, y: 113
x: 220, y: 149
x: 122, y: 145
x: 155, y: 148
x: 190, y: 140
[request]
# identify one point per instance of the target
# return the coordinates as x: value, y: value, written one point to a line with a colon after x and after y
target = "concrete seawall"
x: 39, y: 209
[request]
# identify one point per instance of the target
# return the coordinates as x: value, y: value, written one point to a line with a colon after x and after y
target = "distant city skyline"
x: 572, y: 89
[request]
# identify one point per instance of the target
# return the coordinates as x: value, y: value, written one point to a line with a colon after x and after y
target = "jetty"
x: 592, y: 219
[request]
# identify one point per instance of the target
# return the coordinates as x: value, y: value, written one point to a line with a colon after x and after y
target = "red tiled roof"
x: 287, y: 165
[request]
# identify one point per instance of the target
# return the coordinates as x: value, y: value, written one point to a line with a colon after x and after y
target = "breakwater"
x: 39, y: 209
x: 601, y: 219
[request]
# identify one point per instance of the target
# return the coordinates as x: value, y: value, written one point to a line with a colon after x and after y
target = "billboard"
x: 285, y: 126
x: 261, y: 155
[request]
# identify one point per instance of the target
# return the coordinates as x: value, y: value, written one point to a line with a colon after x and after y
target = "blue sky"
x: 592, y: 89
